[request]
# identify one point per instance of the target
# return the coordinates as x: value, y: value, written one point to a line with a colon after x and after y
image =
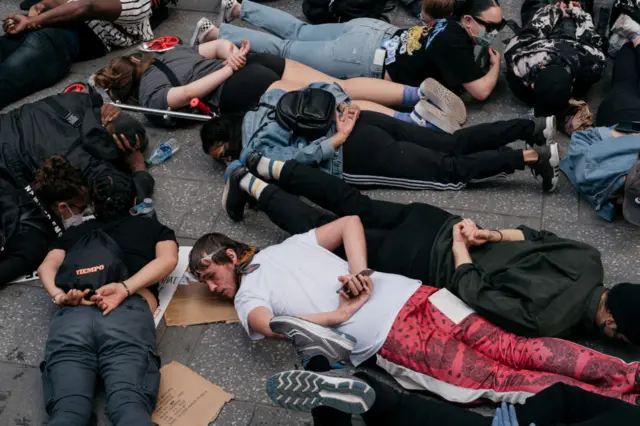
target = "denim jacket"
x: 261, y: 132
x: 597, y: 164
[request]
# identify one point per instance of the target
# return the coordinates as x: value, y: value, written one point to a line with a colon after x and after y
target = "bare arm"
x: 48, y: 270
x: 156, y: 270
x: 217, y: 49
x: 52, y: 4
x: 481, y: 88
x: 346, y: 231
x: 77, y: 11
x: 179, y: 97
x: 259, y: 322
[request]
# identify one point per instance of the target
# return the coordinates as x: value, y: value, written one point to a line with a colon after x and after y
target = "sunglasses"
x: 491, y: 26
x: 205, y: 262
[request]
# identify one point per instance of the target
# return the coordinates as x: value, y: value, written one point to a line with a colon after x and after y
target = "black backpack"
x: 307, y: 113
x: 326, y: 11
x: 93, y: 261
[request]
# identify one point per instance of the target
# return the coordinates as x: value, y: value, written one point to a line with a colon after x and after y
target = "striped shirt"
x: 131, y: 27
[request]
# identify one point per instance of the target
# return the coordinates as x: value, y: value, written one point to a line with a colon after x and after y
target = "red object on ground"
x: 162, y: 43
x: 197, y: 103
x: 76, y: 87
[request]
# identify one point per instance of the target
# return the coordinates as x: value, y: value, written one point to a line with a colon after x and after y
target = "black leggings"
x: 558, y: 404
x: 382, y: 150
x: 622, y: 103
x: 242, y: 91
x: 399, y: 237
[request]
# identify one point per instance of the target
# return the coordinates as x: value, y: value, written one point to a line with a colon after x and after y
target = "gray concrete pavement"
x: 187, y: 198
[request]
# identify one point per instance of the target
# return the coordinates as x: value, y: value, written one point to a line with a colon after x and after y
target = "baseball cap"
x: 631, y: 203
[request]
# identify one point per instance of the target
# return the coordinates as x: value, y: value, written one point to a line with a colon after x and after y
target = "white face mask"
x: 77, y: 219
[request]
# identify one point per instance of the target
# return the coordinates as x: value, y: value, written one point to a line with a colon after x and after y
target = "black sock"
x: 317, y: 364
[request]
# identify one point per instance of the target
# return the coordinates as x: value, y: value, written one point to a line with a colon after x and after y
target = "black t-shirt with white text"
x: 442, y: 51
x: 136, y: 236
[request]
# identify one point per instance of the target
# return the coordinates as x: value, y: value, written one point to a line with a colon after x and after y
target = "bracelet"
x: 53, y: 298
x: 126, y: 288
x: 501, y: 236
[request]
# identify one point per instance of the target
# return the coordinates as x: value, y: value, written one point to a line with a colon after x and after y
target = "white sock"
x: 253, y: 185
x: 269, y: 169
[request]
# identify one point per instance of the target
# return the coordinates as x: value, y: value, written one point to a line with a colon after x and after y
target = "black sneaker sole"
x: 305, y: 390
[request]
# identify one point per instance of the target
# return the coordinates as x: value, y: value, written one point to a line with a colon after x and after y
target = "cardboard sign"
x: 169, y: 285
x: 186, y: 399
x: 195, y: 304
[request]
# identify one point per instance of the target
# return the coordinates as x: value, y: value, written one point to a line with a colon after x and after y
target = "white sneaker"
x: 444, y: 99
x: 424, y: 114
x: 305, y: 390
x: 624, y: 29
x: 202, y: 27
x: 227, y: 8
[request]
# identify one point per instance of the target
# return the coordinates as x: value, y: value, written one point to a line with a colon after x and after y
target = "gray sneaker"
x: 201, y: 28
x: 623, y: 30
x: 304, y: 390
x: 311, y: 339
x: 547, y: 166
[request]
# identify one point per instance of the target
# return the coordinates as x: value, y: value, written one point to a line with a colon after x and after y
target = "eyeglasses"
x: 491, y: 26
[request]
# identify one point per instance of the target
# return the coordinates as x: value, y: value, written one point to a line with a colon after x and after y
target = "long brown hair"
x: 120, y: 78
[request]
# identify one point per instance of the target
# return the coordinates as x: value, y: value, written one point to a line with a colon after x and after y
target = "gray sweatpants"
x: 120, y: 348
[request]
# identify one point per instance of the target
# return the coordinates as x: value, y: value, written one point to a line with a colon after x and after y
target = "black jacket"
x: 542, y: 286
x: 30, y: 134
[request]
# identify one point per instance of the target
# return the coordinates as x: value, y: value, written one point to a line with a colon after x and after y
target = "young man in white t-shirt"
x: 59, y: 32
x: 425, y: 337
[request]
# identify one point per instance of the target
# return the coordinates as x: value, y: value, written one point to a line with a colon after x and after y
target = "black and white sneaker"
x: 304, y: 390
x: 234, y: 198
x: 200, y: 30
x: 544, y: 132
x: 547, y: 166
x: 311, y: 339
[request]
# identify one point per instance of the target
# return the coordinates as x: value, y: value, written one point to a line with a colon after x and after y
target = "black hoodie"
x: 543, y: 286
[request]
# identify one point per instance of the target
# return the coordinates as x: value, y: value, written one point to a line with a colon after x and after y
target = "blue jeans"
x: 120, y: 348
x: 33, y: 61
x: 340, y: 50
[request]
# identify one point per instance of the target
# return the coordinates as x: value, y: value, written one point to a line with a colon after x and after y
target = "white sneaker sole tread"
x: 444, y: 99
x: 304, y: 390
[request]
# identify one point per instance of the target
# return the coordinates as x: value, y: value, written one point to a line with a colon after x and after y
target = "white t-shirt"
x: 131, y: 27
x: 299, y: 277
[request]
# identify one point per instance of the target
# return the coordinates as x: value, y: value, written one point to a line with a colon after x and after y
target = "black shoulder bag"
x: 307, y: 113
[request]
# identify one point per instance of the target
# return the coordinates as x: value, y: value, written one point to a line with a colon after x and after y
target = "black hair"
x: 552, y: 91
x: 224, y: 130
x: 622, y: 302
x: 113, y: 195
x: 130, y: 127
x: 214, y: 243
x: 59, y: 180
x: 473, y: 7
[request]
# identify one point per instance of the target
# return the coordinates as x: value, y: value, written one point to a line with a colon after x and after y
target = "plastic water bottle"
x: 144, y: 208
x: 163, y: 152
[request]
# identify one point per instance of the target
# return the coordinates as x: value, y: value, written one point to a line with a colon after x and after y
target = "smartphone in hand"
x: 365, y: 273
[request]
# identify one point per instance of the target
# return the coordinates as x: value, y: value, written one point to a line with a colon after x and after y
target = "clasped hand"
x: 238, y: 57
x: 468, y: 233
x: 360, y: 289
